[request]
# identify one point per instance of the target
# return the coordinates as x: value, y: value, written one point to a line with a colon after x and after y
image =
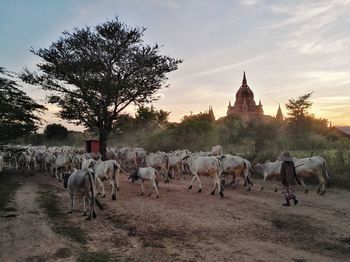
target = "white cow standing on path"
x: 205, y: 166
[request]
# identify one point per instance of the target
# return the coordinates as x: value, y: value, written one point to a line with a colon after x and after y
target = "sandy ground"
x: 183, y: 225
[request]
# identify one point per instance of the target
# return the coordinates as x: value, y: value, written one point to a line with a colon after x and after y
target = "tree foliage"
x: 150, y: 118
x: 18, y: 112
x: 55, y: 131
x: 96, y: 72
x: 298, y: 108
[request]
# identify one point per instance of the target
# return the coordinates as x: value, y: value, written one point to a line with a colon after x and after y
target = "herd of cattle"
x: 85, y: 172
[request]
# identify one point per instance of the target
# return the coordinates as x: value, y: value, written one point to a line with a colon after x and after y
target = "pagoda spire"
x: 279, y: 115
x: 244, y: 82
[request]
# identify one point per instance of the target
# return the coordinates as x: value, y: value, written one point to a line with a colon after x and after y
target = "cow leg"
x: 199, y: 183
x: 155, y: 188
x: 84, y: 206
x: 56, y: 173
x: 246, y: 182
x: 215, y: 182
x: 166, y: 174
x: 233, y: 181
x: 113, y: 188
x: 219, y: 187
x: 263, y: 183
x: 101, y: 186
x: 193, y: 178
x: 90, y: 211
x: 117, y: 178
x: 275, y: 184
x: 322, y: 184
x: 93, y: 206
x: 71, y: 204
x: 303, y: 185
x: 150, y: 192
x: 246, y: 179
x: 142, y: 187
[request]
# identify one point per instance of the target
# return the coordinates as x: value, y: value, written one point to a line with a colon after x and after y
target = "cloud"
x: 249, y: 2
x: 227, y: 67
x: 328, y: 77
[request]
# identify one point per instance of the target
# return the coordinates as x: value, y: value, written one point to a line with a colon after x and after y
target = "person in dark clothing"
x: 288, y: 178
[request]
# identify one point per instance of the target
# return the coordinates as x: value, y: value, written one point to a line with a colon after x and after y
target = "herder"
x: 288, y: 178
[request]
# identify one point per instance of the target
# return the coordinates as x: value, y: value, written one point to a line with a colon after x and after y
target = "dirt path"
x: 25, y: 232
x: 183, y: 225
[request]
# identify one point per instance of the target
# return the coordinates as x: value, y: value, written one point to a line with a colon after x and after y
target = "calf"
x: 146, y: 173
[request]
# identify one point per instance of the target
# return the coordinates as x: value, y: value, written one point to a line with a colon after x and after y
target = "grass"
x: 9, y: 183
x: 49, y: 202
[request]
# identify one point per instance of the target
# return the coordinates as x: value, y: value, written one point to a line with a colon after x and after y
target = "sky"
x: 286, y: 48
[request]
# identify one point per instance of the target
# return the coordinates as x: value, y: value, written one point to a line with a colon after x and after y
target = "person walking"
x: 289, y: 178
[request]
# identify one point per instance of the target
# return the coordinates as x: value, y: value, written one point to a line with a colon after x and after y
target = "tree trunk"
x: 103, y: 143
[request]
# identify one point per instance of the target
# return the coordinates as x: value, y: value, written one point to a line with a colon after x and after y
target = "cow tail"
x: 115, y: 168
x: 98, y: 204
x: 156, y: 180
x: 92, y: 192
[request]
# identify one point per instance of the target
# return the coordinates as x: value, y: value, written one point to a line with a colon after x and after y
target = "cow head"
x: 134, y: 177
x: 185, y: 168
x: 259, y: 168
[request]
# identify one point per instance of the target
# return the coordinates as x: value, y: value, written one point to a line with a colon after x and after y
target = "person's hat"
x: 286, y: 156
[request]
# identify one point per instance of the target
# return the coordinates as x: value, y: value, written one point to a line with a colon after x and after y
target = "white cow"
x: 63, y: 163
x: 146, y: 173
x: 236, y: 166
x: 269, y: 169
x: 160, y: 162
x: 26, y: 163
x: 50, y: 160
x: 206, y: 166
x: 304, y: 167
x: 108, y: 170
x: 82, y: 182
x: 313, y: 166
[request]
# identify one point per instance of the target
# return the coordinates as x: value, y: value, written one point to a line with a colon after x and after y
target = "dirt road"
x: 181, y: 225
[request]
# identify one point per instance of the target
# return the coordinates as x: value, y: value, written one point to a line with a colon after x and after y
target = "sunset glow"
x: 286, y: 48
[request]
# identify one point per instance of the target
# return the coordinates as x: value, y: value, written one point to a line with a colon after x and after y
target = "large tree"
x: 96, y: 72
x: 298, y: 111
x: 19, y: 114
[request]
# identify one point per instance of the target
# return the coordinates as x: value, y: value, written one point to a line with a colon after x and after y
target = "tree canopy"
x: 55, y: 131
x: 18, y: 112
x: 96, y: 72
